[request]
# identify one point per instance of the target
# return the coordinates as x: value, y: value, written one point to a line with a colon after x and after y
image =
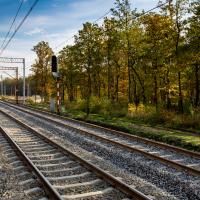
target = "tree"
x: 158, y: 51
x: 69, y: 71
x: 177, y: 11
x: 88, y: 43
x: 131, y: 58
x: 123, y: 14
x: 41, y: 68
x: 112, y: 56
x: 193, y: 41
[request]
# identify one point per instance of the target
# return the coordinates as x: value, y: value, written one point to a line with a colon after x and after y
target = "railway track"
x: 178, y: 158
x: 63, y: 174
x: 27, y: 184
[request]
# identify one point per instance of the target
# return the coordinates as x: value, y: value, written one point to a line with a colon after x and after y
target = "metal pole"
x: 58, y: 96
x: 24, y: 84
x: 4, y: 90
x: 17, y: 87
x: 28, y: 90
x: 1, y: 85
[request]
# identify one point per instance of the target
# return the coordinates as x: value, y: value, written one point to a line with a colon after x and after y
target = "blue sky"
x: 53, y: 21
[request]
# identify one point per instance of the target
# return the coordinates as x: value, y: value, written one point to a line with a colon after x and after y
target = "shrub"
x: 118, y: 109
x: 76, y: 105
x: 100, y: 106
x: 29, y: 101
x: 3, y: 98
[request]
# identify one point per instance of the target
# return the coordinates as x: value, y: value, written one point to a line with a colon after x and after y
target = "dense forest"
x: 132, y: 60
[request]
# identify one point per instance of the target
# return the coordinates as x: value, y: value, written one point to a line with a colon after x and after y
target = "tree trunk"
x: 129, y: 63
x: 71, y: 88
x: 89, y: 86
x: 63, y: 91
x: 196, y: 85
x: 109, y: 72
x: 167, y: 90
x: 117, y: 88
x: 129, y: 83
x: 136, y: 99
x: 156, y: 91
x: 99, y: 86
x: 89, y: 94
x: 180, y: 102
x: 141, y: 84
x: 117, y: 71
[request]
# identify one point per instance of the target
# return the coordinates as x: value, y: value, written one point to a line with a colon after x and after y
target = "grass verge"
x: 187, y: 140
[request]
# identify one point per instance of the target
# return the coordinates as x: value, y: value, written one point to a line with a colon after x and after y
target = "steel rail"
x: 174, y: 164
x: 52, y: 193
x: 120, y: 133
x: 120, y: 185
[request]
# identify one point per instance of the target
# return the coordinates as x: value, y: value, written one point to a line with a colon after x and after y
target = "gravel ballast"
x: 167, y: 183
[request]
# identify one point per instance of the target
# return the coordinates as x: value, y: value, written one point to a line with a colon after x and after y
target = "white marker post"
x: 24, y: 79
x: 58, y: 96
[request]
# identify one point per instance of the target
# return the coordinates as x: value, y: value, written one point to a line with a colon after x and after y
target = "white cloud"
x: 76, y: 13
x: 58, y: 28
x: 23, y: 48
x: 35, y: 31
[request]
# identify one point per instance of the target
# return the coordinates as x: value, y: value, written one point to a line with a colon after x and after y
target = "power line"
x: 73, y: 36
x: 19, y: 26
x: 8, y: 33
x: 158, y: 6
x: 102, y: 16
x: 65, y: 41
x: 144, y: 13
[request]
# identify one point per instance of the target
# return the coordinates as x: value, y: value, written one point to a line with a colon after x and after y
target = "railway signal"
x: 54, y: 69
x: 54, y: 64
